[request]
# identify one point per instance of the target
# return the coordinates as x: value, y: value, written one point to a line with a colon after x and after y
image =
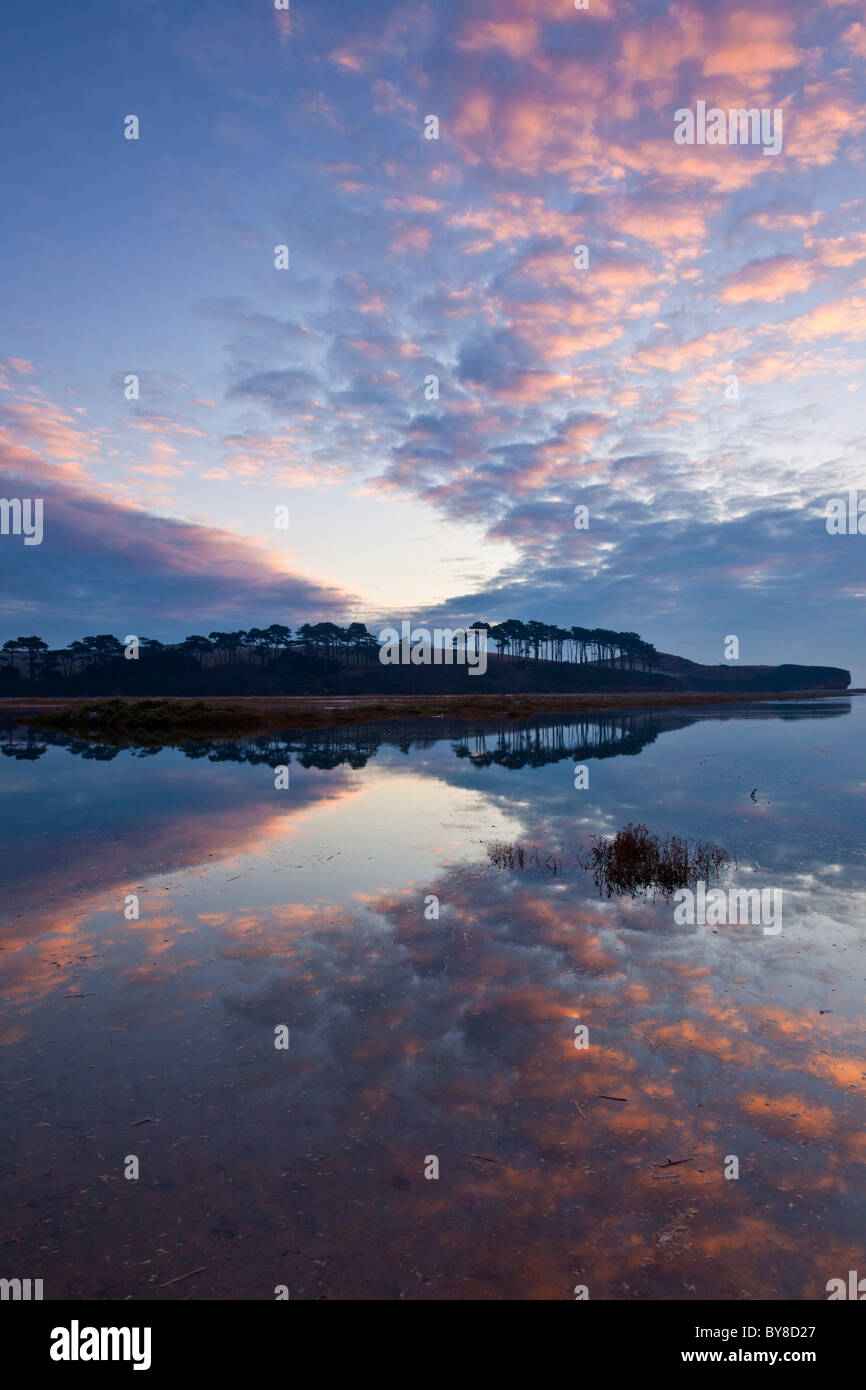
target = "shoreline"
x: 115, y: 716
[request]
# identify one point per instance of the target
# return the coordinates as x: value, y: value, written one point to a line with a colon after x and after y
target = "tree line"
x: 353, y: 645
x: 547, y: 642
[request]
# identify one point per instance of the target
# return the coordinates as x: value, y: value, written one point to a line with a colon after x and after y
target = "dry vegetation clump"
x: 633, y: 861
x: 636, y: 861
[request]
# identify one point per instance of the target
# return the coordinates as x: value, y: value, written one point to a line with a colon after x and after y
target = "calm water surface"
x: 452, y: 1038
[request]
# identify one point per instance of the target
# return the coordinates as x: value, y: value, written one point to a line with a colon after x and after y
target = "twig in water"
x: 169, y: 1282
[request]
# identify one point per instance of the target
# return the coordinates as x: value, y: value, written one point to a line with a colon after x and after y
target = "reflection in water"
x: 413, y: 1034
x: 532, y: 743
x: 510, y: 745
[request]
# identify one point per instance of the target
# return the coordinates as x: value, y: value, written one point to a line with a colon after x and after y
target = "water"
x: 412, y: 1037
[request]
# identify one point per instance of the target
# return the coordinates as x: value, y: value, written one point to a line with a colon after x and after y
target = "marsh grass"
x: 633, y: 862
x: 144, y: 721
x: 523, y: 857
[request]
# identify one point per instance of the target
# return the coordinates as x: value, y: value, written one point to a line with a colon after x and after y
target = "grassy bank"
x: 149, y: 721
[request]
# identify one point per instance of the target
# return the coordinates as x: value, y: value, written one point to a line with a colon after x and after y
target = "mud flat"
x: 139, y: 718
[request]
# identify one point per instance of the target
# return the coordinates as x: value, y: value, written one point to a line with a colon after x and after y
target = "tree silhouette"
x: 353, y: 645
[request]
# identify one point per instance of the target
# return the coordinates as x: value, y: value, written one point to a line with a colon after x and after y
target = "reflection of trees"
x: 323, y: 748
x: 587, y: 736
x: 23, y: 744
x: 505, y: 743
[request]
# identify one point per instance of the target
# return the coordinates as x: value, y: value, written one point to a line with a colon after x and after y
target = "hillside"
x: 171, y: 672
x: 690, y: 675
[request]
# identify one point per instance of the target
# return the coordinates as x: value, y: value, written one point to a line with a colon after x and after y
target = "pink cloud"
x: 346, y: 58
x: 825, y: 118
x: 516, y: 37
x: 840, y: 251
x: 768, y: 280
x: 681, y: 166
x: 854, y: 38
x: 49, y: 431
x: 672, y: 223
x: 18, y: 364
x: 411, y: 239
x: 842, y: 318
x: 752, y: 45
x: 715, y: 347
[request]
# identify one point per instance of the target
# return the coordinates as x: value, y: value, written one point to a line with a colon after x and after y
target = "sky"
x: 695, y: 378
